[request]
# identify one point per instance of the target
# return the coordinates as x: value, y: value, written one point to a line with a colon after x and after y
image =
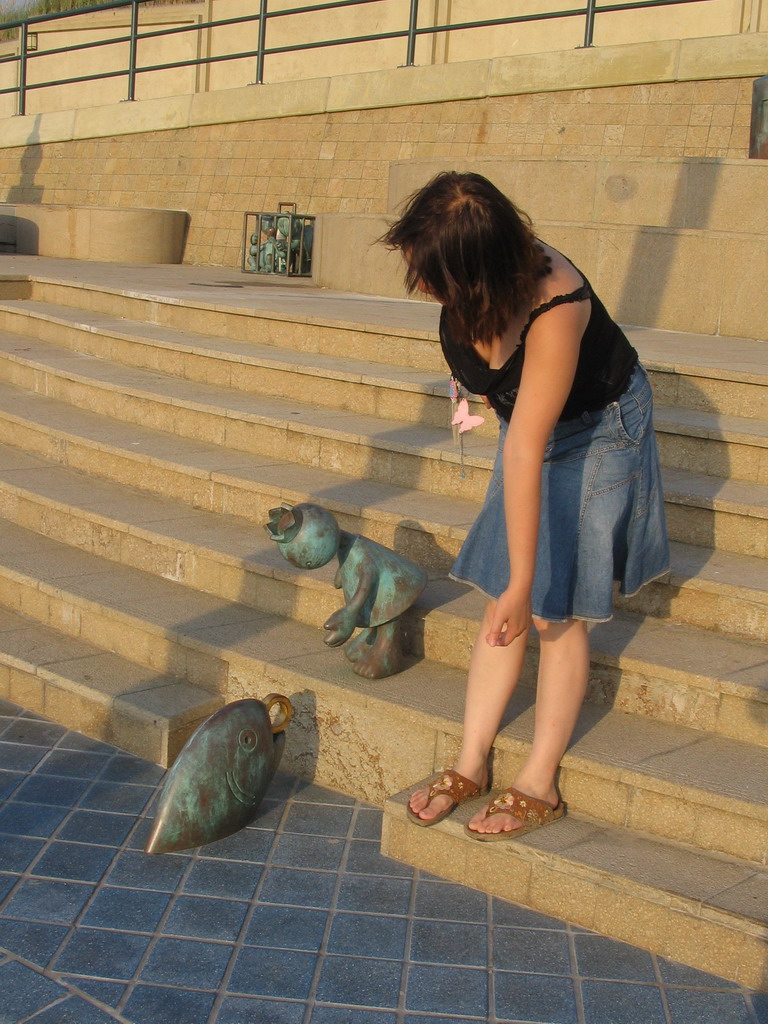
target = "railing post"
x: 133, y: 48
x: 22, y: 105
x: 589, y: 27
x: 411, y: 55
x: 261, y: 44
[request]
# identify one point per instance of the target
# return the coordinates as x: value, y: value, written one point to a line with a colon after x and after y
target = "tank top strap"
x: 578, y: 295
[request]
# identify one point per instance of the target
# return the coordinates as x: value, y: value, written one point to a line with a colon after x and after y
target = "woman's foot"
x: 500, y: 821
x: 433, y: 802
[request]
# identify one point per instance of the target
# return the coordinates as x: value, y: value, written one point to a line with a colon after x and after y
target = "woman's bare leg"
x: 493, y: 675
x: 562, y: 682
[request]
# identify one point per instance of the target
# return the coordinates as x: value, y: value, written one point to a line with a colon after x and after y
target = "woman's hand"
x: 511, y: 617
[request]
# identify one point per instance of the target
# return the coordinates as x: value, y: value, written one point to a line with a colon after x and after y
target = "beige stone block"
x: 743, y: 719
x: 212, y: 577
x: 393, y: 837
x: 598, y: 67
x: 26, y: 689
x: 716, y: 947
x: 37, y: 129
x: 720, y: 394
x: 668, y: 700
x: 744, y: 308
x: 98, y: 233
x: 137, y: 736
x: 563, y: 895
x: 65, y: 617
x: 129, y: 118
x: 571, y: 188
x: 741, y: 56
x: 35, y: 603
x: 117, y: 634
x: 408, y: 85
x: 76, y: 711
x: 739, y: 836
x: 5, y: 680
x: 600, y: 797
x: 253, y: 103
x: 706, y: 455
x: 664, y: 814
x: 444, y: 854
x: 682, y: 276
x: 11, y: 590
x: 641, y: 192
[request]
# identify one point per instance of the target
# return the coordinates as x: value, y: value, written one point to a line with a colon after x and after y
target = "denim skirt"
x: 602, y: 514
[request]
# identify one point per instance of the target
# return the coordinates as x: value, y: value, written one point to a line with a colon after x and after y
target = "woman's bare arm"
x: 551, y: 355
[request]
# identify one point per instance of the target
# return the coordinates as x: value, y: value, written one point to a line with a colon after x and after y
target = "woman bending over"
x: 575, y: 499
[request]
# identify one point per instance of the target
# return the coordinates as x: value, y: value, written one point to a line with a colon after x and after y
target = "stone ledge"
x: 109, y: 234
x: 710, y: 58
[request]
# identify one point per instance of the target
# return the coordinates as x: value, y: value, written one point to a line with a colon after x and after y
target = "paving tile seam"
x: 63, y: 981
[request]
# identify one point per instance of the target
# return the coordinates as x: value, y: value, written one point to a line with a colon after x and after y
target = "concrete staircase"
x: 145, y: 436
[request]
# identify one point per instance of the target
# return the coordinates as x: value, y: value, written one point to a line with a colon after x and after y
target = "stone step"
x: 716, y: 374
x: 411, y: 454
x: 623, y: 768
x: 85, y: 687
x: 715, y: 590
x: 723, y: 375
x: 392, y: 392
x: 729, y: 515
x: 725, y: 515
x: 704, y: 910
x: 301, y: 325
x: 732, y: 447
x: 665, y: 670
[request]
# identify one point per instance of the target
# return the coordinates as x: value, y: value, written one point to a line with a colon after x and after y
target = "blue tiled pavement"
x: 295, y: 920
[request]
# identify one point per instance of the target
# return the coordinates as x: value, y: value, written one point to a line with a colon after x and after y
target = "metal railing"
x: 410, y: 33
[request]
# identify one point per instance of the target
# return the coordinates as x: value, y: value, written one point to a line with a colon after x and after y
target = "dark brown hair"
x: 474, y: 251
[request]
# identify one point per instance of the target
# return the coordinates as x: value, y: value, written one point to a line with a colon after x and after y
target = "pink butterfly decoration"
x: 464, y: 420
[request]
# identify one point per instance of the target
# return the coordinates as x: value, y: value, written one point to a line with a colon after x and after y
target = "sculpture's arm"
x: 341, y: 625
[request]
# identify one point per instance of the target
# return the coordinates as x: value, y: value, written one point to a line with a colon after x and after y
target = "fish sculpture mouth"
x: 238, y: 792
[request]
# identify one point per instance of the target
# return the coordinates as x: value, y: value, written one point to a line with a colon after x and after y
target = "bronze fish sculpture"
x: 221, y: 775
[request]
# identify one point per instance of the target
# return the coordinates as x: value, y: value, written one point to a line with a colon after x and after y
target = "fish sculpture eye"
x: 247, y: 739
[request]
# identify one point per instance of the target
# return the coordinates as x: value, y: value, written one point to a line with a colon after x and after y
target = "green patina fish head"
x: 218, y: 780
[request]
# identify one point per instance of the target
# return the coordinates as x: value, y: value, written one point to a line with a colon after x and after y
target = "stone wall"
x: 338, y: 161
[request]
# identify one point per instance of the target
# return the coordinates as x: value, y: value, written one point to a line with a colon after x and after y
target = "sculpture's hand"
x: 340, y: 626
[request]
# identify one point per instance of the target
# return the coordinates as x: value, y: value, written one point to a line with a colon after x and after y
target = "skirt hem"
x: 575, y: 615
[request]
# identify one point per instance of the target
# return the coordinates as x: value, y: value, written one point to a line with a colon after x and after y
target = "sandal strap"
x: 451, y: 784
x: 522, y: 806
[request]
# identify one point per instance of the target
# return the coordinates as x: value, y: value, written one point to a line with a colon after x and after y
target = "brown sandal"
x: 448, y: 783
x: 532, y: 812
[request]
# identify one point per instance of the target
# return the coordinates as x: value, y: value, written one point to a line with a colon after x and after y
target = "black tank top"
x: 605, y: 364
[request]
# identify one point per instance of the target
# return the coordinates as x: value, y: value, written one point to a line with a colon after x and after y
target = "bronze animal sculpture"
x: 221, y: 775
x: 378, y: 584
